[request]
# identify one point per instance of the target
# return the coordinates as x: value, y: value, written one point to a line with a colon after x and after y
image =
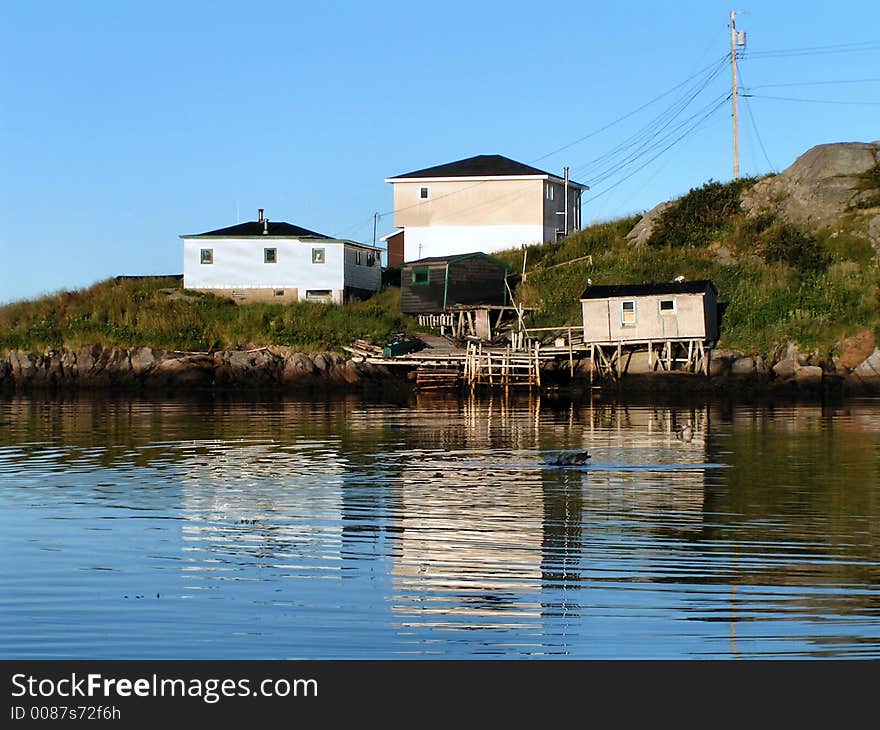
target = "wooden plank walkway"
x: 441, y: 364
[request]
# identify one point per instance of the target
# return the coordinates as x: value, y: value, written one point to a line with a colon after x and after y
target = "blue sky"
x: 124, y: 125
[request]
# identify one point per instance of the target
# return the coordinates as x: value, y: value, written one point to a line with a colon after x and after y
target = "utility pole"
x: 375, y: 223
x: 565, y: 196
x: 737, y: 38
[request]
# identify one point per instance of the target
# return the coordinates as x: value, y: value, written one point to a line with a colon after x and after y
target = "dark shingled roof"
x: 481, y: 165
x: 451, y: 258
x: 255, y: 228
x: 638, y: 290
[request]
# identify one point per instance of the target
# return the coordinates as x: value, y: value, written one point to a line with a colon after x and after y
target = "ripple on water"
x: 285, y: 529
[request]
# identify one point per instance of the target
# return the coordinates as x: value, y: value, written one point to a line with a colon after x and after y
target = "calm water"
x: 287, y: 528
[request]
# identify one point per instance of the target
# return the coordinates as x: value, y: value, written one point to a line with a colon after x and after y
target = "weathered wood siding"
x: 476, y: 280
x: 422, y: 298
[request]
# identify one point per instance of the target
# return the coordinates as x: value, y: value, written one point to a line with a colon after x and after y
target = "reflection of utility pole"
x: 737, y: 38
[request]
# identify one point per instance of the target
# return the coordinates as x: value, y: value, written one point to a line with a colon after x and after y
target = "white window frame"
x: 671, y: 310
x: 424, y: 193
x: 274, y: 255
x: 357, y: 258
x: 206, y: 259
x: 624, y: 312
x: 319, y: 255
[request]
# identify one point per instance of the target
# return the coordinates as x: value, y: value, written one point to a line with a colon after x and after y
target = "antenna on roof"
x: 260, y: 215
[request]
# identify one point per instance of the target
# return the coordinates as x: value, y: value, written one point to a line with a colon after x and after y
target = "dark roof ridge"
x: 602, y: 291
x: 256, y: 229
x: 481, y: 166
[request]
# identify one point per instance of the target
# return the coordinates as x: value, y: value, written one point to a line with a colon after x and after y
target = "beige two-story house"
x: 485, y: 203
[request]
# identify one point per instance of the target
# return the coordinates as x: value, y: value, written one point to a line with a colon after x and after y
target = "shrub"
x: 701, y: 215
x: 786, y: 244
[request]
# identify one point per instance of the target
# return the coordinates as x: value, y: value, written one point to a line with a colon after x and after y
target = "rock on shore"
x: 97, y: 366
x: 856, y: 368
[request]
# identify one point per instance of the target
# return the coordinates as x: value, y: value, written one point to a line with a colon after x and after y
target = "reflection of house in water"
x: 258, y: 504
x: 481, y: 539
x: 653, y: 461
x: 470, y: 544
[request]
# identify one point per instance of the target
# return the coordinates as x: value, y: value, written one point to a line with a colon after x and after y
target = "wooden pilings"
x: 502, y: 368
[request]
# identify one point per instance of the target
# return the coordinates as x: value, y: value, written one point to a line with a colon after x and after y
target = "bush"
x: 700, y: 216
x: 786, y: 244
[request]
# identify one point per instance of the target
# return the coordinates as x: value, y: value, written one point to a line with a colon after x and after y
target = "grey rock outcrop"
x: 826, y: 183
x: 642, y: 230
x: 867, y: 373
x: 102, y: 367
x: 820, y: 186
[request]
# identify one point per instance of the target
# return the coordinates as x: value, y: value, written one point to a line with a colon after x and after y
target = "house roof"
x: 481, y: 166
x: 255, y: 229
x: 451, y: 258
x: 398, y: 232
x: 638, y: 290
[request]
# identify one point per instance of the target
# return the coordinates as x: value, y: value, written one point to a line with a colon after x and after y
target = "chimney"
x: 260, y: 213
x: 265, y: 226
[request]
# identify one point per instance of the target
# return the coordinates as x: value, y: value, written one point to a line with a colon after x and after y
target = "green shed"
x: 435, y: 284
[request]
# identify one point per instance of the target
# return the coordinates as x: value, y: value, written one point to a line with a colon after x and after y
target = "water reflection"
x: 287, y: 528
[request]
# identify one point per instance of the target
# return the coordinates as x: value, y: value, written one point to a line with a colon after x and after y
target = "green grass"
x: 132, y: 313
x: 777, y: 284
x: 783, y: 285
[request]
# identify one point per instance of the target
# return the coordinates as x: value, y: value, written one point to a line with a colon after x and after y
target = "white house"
x: 264, y: 260
x: 485, y: 203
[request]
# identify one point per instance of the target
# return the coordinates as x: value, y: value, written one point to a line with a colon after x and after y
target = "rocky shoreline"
x: 147, y: 367
x: 856, y: 371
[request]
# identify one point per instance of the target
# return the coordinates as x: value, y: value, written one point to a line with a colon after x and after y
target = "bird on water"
x: 575, y: 458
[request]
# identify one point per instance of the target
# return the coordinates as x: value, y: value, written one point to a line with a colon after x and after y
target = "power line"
x: 757, y: 134
x: 634, y: 111
x: 815, y: 101
x: 662, y: 128
x: 655, y: 133
x: 856, y: 47
x: 654, y: 141
x: 755, y: 125
x: 817, y: 83
x: 687, y: 132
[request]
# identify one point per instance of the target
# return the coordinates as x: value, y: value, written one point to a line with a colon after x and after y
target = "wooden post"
x: 570, y: 356
x: 537, y: 364
x: 592, y: 364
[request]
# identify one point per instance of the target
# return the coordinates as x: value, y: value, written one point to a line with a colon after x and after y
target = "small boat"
x: 574, y: 458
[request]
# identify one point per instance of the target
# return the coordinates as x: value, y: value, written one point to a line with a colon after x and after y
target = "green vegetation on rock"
x: 156, y: 312
x: 777, y: 283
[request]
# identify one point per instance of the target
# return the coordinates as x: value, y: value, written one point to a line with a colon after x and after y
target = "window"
x: 317, y: 255
x: 270, y: 255
x: 319, y: 295
x: 548, y: 192
x: 421, y: 277
x: 357, y: 258
x: 279, y: 292
x: 371, y: 260
x: 423, y: 193
x: 207, y: 256
x: 667, y: 306
x: 628, y: 313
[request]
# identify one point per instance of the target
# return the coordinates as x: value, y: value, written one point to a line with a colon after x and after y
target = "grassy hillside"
x: 777, y: 283
x: 151, y: 312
